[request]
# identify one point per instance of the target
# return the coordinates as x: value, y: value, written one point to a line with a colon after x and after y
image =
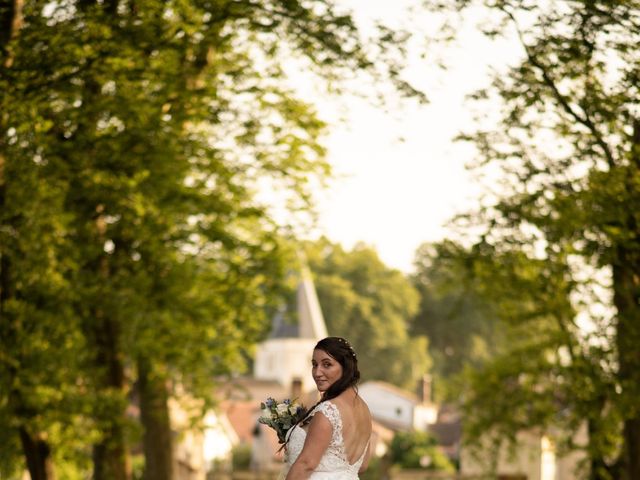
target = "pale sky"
x: 396, y: 194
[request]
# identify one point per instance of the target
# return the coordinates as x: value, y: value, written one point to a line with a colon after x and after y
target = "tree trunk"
x: 110, y: 456
x: 38, y: 456
x: 598, y: 468
x: 632, y: 447
x: 626, y: 298
x: 626, y: 286
x: 10, y: 24
x: 154, y: 412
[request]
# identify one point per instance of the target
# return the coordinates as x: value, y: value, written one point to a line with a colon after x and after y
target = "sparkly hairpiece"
x: 348, y: 345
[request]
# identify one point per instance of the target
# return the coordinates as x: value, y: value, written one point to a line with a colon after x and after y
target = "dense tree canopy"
x: 457, y: 320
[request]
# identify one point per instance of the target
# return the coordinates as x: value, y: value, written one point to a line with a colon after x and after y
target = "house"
x: 241, y: 407
x: 447, y: 431
x: 533, y: 457
x: 219, y: 437
x: 399, y: 409
x: 188, y: 453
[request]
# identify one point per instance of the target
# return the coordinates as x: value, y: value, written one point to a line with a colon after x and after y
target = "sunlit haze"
x: 401, y: 176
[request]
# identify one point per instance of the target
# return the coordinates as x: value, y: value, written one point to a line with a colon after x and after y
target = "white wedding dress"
x: 334, y: 464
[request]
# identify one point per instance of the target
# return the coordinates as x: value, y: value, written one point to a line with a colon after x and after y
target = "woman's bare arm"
x: 316, y: 443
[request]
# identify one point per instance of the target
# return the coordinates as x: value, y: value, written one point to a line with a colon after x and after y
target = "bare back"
x: 356, y: 424
x: 335, y: 443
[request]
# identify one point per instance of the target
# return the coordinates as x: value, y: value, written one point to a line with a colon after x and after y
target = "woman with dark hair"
x: 332, y: 441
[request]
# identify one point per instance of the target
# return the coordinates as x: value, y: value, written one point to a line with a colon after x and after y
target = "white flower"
x: 282, y: 409
x: 266, y: 413
x: 293, y: 409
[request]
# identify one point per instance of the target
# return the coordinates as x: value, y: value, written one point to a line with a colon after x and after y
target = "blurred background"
x: 192, y: 193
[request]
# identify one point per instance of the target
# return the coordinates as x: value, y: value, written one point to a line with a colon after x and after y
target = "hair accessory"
x: 348, y: 345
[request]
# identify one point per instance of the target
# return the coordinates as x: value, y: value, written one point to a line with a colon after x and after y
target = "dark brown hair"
x: 342, y: 351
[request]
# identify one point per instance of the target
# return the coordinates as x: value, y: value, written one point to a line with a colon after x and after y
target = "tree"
x: 540, y: 371
x: 453, y: 315
x: 568, y: 144
x: 371, y: 305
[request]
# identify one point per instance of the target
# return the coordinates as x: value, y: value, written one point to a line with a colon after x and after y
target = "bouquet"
x: 281, y: 416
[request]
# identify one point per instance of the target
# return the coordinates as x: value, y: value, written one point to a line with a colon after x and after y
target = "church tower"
x: 286, y: 355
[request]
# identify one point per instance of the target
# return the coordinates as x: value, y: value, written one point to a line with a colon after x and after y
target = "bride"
x: 332, y: 440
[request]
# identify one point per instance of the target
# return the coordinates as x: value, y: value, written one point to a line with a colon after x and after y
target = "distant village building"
x: 448, y: 432
x: 188, y: 452
x: 399, y: 409
x: 533, y: 457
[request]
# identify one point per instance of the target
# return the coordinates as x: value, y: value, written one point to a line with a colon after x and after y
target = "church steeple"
x: 286, y: 355
x: 310, y: 318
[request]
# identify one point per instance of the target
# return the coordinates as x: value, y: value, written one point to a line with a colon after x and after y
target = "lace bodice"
x: 334, y: 464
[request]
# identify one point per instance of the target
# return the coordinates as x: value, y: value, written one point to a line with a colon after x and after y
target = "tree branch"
x: 585, y: 119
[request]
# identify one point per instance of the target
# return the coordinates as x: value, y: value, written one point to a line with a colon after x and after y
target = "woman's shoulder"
x: 350, y: 396
x: 348, y: 402
x: 326, y: 406
x: 330, y: 411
